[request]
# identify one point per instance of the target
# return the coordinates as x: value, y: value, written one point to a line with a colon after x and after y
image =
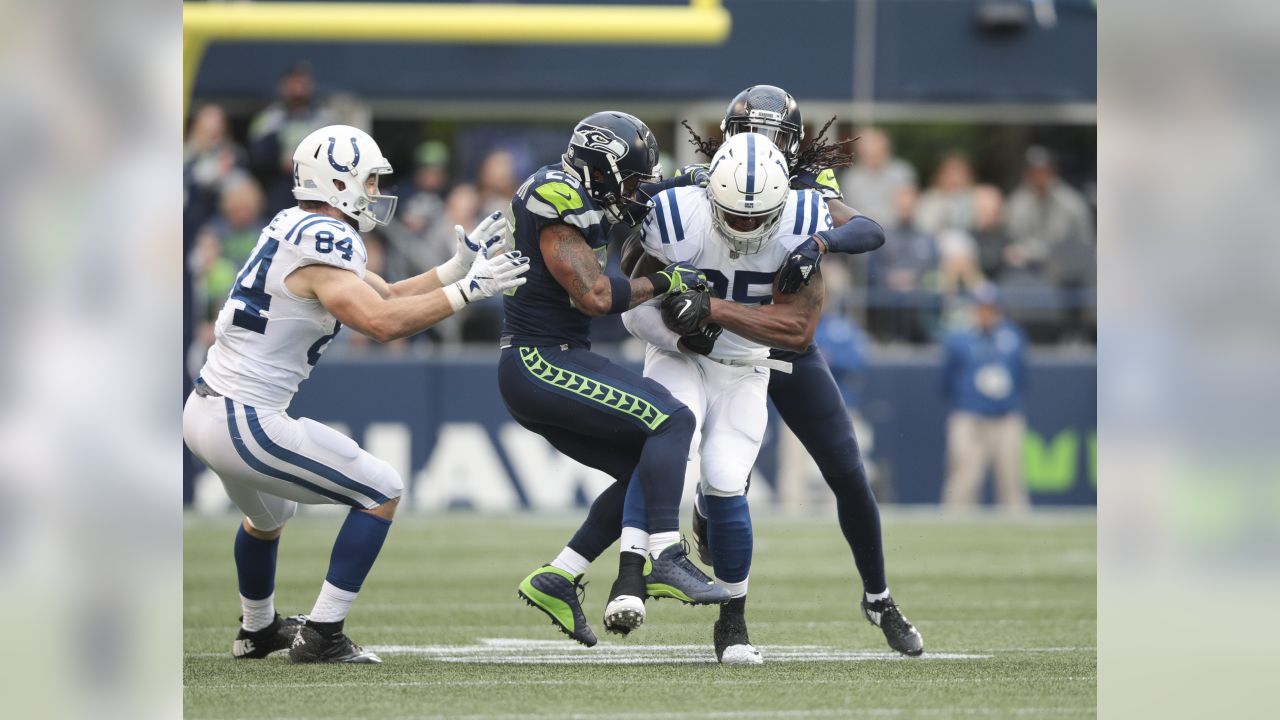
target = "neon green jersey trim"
x: 560, y: 195
x: 642, y: 410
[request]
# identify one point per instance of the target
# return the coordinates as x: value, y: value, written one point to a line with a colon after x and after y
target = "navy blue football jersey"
x: 540, y: 312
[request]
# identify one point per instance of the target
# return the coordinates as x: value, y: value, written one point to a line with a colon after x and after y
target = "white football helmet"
x: 748, y: 187
x: 340, y: 165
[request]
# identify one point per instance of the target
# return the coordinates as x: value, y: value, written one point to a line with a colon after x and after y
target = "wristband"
x: 661, y: 283
x: 457, y: 298
x: 620, y: 289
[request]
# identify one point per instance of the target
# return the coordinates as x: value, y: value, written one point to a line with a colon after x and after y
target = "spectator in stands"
x: 461, y: 207
x: 959, y: 275
x: 425, y: 201
x: 873, y: 181
x: 220, y: 247
x: 496, y: 182
x: 277, y: 130
x: 1050, y: 224
x: 239, y: 221
x: 984, y: 380
x: 210, y: 159
x: 419, y: 215
x: 988, y: 230
x: 948, y: 203
x: 900, y: 272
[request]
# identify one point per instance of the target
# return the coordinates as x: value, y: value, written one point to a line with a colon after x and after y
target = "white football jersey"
x: 267, y: 339
x: 680, y: 229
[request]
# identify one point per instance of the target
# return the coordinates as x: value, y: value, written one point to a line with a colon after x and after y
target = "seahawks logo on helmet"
x: 594, y: 138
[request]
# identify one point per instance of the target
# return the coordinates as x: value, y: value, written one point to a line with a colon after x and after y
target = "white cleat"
x: 623, y: 614
x: 741, y: 655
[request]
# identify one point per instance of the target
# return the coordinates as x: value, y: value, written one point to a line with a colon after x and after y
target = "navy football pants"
x: 606, y: 417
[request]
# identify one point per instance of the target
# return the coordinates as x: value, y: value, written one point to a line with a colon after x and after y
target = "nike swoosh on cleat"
x: 687, y: 303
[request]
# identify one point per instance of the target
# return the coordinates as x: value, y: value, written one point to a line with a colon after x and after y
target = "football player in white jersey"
x: 718, y: 364
x: 306, y: 279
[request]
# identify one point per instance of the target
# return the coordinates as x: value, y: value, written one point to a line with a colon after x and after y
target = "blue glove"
x: 799, y: 267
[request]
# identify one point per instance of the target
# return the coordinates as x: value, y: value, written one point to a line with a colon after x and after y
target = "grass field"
x: 1006, y: 607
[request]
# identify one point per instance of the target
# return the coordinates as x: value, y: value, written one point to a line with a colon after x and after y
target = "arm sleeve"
x: 682, y: 180
x: 859, y: 235
x: 645, y: 322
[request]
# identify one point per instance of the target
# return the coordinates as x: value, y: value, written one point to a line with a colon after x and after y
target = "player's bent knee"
x: 386, y: 510
x: 725, y: 484
x: 265, y: 533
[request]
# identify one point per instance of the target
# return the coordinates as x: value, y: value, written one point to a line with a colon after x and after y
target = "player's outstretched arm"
x: 573, y: 264
x: 788, y: 324
x: 357, y: 304
x: 490, y: 237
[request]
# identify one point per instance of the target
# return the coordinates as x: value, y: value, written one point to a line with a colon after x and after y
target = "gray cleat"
x: 673, y: 575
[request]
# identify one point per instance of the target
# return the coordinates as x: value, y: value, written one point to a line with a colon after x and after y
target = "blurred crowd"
x: 946, y: 239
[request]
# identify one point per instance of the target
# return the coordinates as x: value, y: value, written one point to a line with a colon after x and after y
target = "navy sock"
x: 256, y: 565
x: 357, y: 546
x: 729, y: 535
x: 603, y: 525
x: 634, y: 512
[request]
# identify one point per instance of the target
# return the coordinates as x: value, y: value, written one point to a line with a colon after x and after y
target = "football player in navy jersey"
x: 599, y: 413
x: 808, y: 399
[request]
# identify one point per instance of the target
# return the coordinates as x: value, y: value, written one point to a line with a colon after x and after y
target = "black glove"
x: 799, y: 267
x: 702, y: 341
x: 684, y: 313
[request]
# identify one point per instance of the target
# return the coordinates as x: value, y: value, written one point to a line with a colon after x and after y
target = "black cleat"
x: 700, y: 538
x: 733, y: 647
x: 625, y: 611
x: 898, y: 631
x: 261, y: 643
x: 559, y: 595
x: 325, y: 643
x: 674, y: 575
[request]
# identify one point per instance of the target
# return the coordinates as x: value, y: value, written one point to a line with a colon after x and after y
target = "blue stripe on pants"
x: 306, y: 463
x: 266, y: 469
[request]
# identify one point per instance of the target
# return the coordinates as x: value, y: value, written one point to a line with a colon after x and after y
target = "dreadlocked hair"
x: 707, y: 147
x: 817, y: 153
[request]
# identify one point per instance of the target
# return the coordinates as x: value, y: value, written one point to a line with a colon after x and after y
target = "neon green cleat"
x: 559, y: 595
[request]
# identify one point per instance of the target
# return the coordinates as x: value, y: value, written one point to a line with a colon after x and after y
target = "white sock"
x: 736, y: 590
x: 660, y: 541
x: 571, y: 562
x: 635, y: 540
x: 333, y: 604
x: 872, y: 597
x: 257, y: 613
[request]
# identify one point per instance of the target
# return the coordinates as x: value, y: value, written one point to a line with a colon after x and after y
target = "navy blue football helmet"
x: 613, y: 153
x: 770, y: 111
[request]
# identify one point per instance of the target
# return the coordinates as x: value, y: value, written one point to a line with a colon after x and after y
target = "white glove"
x: 488, y: 277
x: 490, y: 237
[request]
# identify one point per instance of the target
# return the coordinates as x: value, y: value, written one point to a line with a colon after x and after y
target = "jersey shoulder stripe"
x: 306, y: 220
x: 556, y: 195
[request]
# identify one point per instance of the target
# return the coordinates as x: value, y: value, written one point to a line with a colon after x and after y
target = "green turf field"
x: 1007, y: 610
